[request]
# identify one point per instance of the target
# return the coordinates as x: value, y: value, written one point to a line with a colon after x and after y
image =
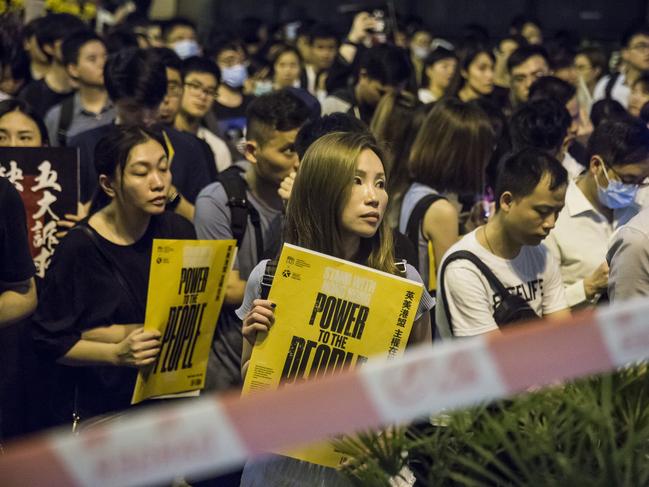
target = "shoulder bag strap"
x: 470, y: 256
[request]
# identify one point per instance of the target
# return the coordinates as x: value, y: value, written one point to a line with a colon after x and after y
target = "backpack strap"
x: 610, y: 84
x: 65, y: 120
x: 482, y: 267
x: 416, y: 219
x: 240, y: 208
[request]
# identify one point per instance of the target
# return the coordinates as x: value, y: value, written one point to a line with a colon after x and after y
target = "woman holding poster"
x: 92, y: 306
x: 348, y: 224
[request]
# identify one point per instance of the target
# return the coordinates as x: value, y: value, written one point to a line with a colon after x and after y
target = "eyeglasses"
x: 630, y: 179
x: 198, y: 88
x: 174, y: 89
x: 642, y: 46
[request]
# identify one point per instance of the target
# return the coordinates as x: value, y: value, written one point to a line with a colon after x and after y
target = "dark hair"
x: 561, y: 57
x: 643, y: 80
x: 12, y: 54
x: 18, y: 105
x: 607, y: 109
x: 541, y: 124
x: 138, y: 74
x: 396, y: 121
x: 216, y: 43
x: 120, y: 39
x: 597, y: 58
x: 634, y: 30
x: 317, y: 127
x: 57, y: 26
x: 452, y: 147
x: 521, y: 172
x: 248, y: 29
x: 322, y: 31
x: 500, y: 127
x: 279, y: 51
x: 466, y: 59
x: 168, y: 57
x: 620, y: 142
x: 168, y: 25
x: 280, y: 110
x: 72, y: 45
x: 518, y: 22
x: 387, y: 64
x: 523, y: 53
x: 112, y: 151
x: 438, y: 54
x: 200, y: 64
x: 552, y: 88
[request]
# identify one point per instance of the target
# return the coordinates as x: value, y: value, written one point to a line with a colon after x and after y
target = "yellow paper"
x: 186, y: 290
x: 331, y: 315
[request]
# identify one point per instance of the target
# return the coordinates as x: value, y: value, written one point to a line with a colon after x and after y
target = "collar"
x: 78, y: 108
x: 576, y: 201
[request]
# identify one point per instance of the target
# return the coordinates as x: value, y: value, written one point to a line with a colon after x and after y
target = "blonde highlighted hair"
x: 322, y: 189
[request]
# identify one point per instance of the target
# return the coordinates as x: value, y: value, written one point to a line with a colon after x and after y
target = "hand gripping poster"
x: 187, y: 285
x: 331, y: 315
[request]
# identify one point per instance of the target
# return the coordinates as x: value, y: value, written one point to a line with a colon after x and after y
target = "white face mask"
x: 187, y: 48
x: 420, y: 52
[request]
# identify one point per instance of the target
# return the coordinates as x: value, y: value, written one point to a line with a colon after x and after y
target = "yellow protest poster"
x: 331, y: 315
x: 186, y: 290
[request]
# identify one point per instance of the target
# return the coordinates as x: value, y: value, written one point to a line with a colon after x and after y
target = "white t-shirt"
x: 219, y: 148
x: 620, y: 91
x: 533, y: 274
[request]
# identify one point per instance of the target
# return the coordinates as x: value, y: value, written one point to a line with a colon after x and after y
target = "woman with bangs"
x: 349, y: 224
x: 91, y: 310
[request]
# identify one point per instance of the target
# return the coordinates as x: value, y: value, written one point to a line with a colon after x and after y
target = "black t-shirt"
x: 231, y: 121
x: 41, y: 97
x: 81, y: 292
x: 192, y: 166
x: 16, y: 264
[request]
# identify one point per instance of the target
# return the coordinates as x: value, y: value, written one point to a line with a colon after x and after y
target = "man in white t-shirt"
x: 530, y: 193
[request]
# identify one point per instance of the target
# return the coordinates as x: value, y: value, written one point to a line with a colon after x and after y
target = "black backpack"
x: 414, y: 225
x: 510, y: 310
x: 240, y: 208
x: 65, y: 120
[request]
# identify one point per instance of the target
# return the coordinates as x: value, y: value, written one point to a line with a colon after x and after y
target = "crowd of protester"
x: 511, y: 175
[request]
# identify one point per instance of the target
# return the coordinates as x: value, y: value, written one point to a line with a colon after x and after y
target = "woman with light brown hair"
x: 448, y: 159
x: 337, y: 207
x: 395, y: 124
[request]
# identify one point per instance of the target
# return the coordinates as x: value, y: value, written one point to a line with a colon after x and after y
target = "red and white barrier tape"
x: 214, y: 434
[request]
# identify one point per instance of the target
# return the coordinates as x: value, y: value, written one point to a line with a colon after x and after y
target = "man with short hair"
x: 635, y: 57
x: 136, y: 82
x: 180, y: 35
x: 381, y: 69
x: 170, y: 105
x: 273, y: 122
x: 525, y: 65
x: 530, y: 193
x: 573, y: 156
x: 322, y: 46
x: 84, y: 56
x: 618, y: 153
x: 56, y: 84
x: 201, y: 78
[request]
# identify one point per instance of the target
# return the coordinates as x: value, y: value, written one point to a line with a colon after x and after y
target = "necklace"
x: 484, y: 233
